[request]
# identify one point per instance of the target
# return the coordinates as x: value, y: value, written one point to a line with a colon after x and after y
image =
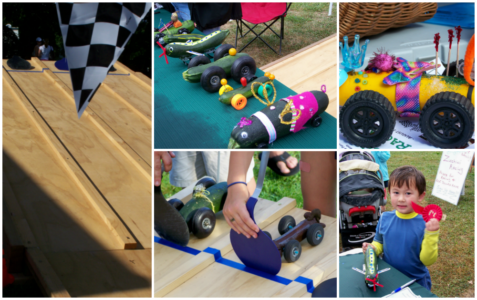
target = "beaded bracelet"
x: 236, y: 183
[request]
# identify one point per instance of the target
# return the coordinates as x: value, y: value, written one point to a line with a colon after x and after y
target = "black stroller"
x: 361, y: 194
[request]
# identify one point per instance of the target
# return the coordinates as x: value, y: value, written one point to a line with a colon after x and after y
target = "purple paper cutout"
x: 244, y: 122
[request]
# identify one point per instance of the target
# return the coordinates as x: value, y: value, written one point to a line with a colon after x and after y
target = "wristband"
x: 236, y: 183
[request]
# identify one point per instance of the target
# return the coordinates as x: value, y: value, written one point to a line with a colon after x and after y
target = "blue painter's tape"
x: 307, y: 281
x: 175, y: 246
x: 227, y: 262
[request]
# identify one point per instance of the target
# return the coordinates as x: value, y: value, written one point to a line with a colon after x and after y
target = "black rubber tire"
x: 316, y: 121
x: 198, y: 61
x: 183, y: 31
x: 268, y: 234
x: 206, y: 183
x: 452, y: 68
x: 292, y: 251
x: 316, y: 213
x: 367, y: 103
x: 203, y: 222
x: 286, y: 223
x: 222, y: 51
x: 210, y: 79
x: 315, y: 234
x: 448, y: 104
x: 176, y: 203
x: 243, y: 67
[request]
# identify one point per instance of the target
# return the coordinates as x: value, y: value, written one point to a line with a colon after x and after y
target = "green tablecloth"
x: 188, y: 117
x: 352, y: 283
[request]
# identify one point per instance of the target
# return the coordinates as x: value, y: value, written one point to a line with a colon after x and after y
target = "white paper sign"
x: 451, y: 175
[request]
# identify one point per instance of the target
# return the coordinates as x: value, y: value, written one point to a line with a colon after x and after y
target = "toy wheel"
x: 183, y: 31
x: 222, y: 51
x: 262, y: 146
x: 316, y: 121
x: 286, y: 223
x: 316, y: 213
x: 447, y: 120
x: 203, y: 183
x: 268, y: 234
x: 176, y: 203
x: 210, y: 79
x: 292, y: 251
x: 203, y: 222
x: 367, y: 119
x: 239, y: 101
x: 315, y: 234
x: 198, y: 61
x: 243, y: 67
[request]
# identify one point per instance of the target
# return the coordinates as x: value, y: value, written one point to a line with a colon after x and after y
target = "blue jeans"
x: 183, y: 11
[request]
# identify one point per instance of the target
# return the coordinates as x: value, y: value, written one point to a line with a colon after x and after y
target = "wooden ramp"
x: 78, y: 191
x: 310, y: 68
x: 199, y: 270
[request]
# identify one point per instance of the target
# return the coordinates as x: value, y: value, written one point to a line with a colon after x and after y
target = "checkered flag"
x: 94, y: 36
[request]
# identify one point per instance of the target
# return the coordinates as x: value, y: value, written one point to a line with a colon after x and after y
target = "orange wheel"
x: 239, y: 101
x: 469, y: 61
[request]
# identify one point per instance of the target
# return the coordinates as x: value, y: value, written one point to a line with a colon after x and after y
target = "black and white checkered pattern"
x: 94, y: 36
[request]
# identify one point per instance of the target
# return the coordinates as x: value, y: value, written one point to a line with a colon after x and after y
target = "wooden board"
x: 179, y: 274
x: 309, y: 69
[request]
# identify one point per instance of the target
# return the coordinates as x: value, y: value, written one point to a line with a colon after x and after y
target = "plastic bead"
x: 357, y: 88
x: 365, y: 75
x: 365, y: 82
x: 357, y: 80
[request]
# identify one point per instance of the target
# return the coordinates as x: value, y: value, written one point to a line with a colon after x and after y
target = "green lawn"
x: 305, y: 24
x: 453, y: 273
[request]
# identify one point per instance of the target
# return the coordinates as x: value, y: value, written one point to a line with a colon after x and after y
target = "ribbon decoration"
x: 375, y: 283
x: 431, y: 211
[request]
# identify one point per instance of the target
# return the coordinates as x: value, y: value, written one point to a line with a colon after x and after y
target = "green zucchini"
x: 207, y: 42
x: 216, y: 195
x: 189, y: 24
x: 371, y: 265
x: 246, y: 90
x: 193, y: 74
x: 181, y: 38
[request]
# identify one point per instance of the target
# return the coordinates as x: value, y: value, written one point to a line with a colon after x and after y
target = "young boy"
x: 408, y: 243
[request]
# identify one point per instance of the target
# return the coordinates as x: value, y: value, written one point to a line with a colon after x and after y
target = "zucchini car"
x: 289, y: 115
x: 292, y: 234
x: 187, y: 27
x: 210, y: 74
x: 208, y: 198
x: 165, y: 39
x: 370, y: 101
x: 238, y: 97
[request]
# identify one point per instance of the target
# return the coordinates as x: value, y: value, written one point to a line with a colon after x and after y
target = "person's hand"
x: 236, y: 213
x: 366, y: 245
x: 166, y: 158
x: 432, y: 225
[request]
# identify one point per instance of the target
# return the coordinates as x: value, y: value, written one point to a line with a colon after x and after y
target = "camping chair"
x: 262, y: 13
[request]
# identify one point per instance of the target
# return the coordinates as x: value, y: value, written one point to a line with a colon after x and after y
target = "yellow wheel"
x: 239, y: 101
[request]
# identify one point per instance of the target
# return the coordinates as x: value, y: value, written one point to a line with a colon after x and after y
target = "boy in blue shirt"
x: 407, y: 242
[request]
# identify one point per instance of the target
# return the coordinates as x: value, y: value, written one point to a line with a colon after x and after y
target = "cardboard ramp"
x: 77, y: 191
x: 209, y: 267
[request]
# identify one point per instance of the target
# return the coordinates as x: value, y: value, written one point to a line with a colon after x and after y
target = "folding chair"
x: 262, y: 13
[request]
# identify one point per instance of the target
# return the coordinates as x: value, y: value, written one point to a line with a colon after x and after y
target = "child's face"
x: 401, y: 198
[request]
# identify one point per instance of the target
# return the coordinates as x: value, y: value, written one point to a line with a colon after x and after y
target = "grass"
x: 453, y: 273
x: 305, y: 24
x: 274, y: 187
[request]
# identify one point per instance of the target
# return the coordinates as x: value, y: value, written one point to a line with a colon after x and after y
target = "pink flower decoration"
x: 458, y: 30
x: 451, y: 35
x: 437, y: 37
x: 244, y: 122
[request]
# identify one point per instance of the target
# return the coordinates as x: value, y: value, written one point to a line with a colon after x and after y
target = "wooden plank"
x: 116, y: 176
x: 13, y: 248
x: 309, y: 69
x: 172, y: 268
x: 71, y: 188
x: 117, y: 273
x: 218, y: 280
x: 146, y: 81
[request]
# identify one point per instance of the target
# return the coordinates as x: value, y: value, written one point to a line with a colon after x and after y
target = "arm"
x: 429, y: 247
x: 235, y: 210
x: 377, y: 243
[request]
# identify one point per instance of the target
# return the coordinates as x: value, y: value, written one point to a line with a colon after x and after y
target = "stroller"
x: 362, y: 194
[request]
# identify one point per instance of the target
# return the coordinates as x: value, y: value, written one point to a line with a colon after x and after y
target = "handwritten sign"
x: 451, y: 175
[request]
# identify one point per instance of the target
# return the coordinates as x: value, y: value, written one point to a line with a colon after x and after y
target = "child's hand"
x: 162, y: 157
x: 366, y: 245
x: 432, y: 225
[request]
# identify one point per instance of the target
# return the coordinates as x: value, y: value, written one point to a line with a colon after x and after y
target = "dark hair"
x: 408, y: 175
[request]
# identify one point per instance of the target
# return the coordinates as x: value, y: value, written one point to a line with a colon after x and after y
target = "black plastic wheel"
x: 268, y: 234
x: 316, y: 121
x: 176, y: 203
x: 222, y: 51
x: 210, y: 79
x: 183, y: 31
x: 316, y: 213
x: 447, y: 120
x: 203, y: 222
x: 286, y: 223
x: 367, y: 119
x: 203, y: 183
x: 243, y: 67
x: 315, y: 234
x: 198, y: 61
x: 292, y: 251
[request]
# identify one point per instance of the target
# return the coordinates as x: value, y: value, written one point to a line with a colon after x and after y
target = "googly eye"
x: 244, y: 135
x: 170, y: 49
